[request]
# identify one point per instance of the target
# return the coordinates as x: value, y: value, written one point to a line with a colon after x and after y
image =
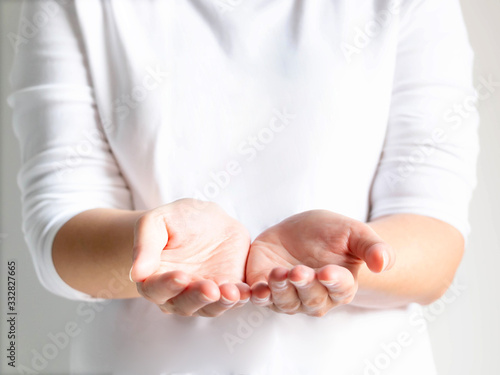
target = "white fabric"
x: 133, y: 104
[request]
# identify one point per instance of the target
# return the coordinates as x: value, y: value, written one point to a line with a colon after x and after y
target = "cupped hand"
x: 189, y: 258
x: 309, y: 262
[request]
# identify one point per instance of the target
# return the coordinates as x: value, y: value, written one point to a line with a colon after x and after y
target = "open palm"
x: 187, y: 245
x: 205, y: 242
x: 301, y: 257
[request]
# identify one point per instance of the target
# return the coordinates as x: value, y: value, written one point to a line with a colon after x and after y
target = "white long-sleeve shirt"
x: 267, y: 107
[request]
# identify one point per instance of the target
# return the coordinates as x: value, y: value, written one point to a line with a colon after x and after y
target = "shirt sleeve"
x: 428, y: 163
x: 67, y: 164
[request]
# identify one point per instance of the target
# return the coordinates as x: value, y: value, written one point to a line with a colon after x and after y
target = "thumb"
x: 367, y: 245
x: 150, y: 239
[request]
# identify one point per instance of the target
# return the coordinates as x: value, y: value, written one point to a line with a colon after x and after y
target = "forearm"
x: 92, y: 252
x: 428, y: 254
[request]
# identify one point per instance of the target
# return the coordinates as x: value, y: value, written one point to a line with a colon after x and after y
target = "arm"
x: 428, y: 162
x: 92, y: 252
x: 317, y: 260
x: 428, y: 252
x: 55, y: 117
x: 188, y: 256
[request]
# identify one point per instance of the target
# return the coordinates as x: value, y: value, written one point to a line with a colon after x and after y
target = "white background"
x: 465, y: 333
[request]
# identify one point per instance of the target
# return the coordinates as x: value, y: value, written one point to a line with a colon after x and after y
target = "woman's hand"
x: 189, y: 258
x: 309, y: 262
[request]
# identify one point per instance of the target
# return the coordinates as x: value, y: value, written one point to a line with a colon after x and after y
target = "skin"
x: 196, y: 250
x: 318, y: 260
x: 309, y: 263
x: 189, y: 258
x: 194, y: 265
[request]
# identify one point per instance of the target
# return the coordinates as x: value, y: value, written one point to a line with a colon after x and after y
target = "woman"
x: 330, y: 138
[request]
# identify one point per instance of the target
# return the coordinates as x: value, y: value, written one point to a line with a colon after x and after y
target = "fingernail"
x: 206, y: 298
x: 260, y: 300
x: 280, y: 284
x: 245, y: 300
x: 178, y: 283
x: 299, y: 283
x: 226, y: 301
x: 385, y: 258
x: 329, y: 283
x: 130, y: 274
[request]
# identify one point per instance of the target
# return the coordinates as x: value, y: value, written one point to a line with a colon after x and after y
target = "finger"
x: 150, y: 239
x: 366, y: 244
x: 256, y: 277
x: 159, y: 288
x: 380, y: 257
x: 261, y: 294
x: 206, y: 312
x: 339, y: 282
x: 229, y: 297
x: 312, y: 294
x: 258, y: 266
x: 245, y: 293
x: 283, y: 293
x: 197, y: 295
